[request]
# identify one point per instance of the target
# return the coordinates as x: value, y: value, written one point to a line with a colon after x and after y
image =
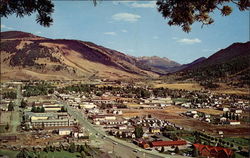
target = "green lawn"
x: 10, y: 153
x: 189, y: 138
x: 238, y: 141
x: 56, y: 154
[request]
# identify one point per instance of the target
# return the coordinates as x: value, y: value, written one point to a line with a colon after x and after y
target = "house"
x: 212, y: 151
x: 167, y: 143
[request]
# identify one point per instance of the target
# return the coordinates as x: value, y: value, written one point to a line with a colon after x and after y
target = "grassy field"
x: 5, y: 117
x: 10, y: 153
x: 56, y: 154
x: 185, y: 86
x: 238, y: 141
x: 211, y: 111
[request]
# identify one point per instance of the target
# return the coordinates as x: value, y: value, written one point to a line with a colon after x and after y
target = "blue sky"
x: 136, y: 28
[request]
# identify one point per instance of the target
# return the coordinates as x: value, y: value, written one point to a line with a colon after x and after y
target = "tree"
x: 22, y: 154
x: 185, y: 12
x: 83, y: 155
x: 240, y: 148
x: 195, y: 152
x: 138, y: 132
x: 162, y: 149
x: 51, y: 91
x: 177, y: 150
x: 42, y: 109
x: 7, y: 127
x: 180, y: 13
x: 44, y: 9
x: 11, y: 106
x: 23, y: 104
x: 72, y: 148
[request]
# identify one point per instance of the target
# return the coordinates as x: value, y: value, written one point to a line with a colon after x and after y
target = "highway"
x: 107, y: 143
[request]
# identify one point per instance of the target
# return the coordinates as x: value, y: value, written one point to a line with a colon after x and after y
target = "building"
x: 64, y: 131
x: 167, y: 143
x: 154, y: 130
x: 211, y: 151
x: 233, y: 122
x: 51, y: 123
x: 87, y: 105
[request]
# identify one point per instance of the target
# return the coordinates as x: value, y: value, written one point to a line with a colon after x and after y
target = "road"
x: 119, y: 147
x: 15, y: 115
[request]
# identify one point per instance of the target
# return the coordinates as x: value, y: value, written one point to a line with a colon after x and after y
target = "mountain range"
x: 25, y: 56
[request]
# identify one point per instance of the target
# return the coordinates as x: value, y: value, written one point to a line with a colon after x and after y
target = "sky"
x: 136, y: 28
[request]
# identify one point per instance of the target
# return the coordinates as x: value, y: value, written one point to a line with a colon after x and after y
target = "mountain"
x: 158, y: 64
x: 189, y: 65
x: 25, y: 56
x: 231, y: 65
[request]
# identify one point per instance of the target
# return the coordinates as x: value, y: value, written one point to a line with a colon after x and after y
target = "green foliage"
x: 10, y: 95
x: 138, y: 132
x: 209, y: 74
x: 72, y: 148
x: 162, y: 149
x: 63, y: 109
x: 11, y: 106
x: 21, y: 8
x: 177, y: 150
x: 23, y: 154
x: 23, y: 104
x: 37, y: 109
x: 185, y: 12
x: 40, y: 89
x: 195, y: 152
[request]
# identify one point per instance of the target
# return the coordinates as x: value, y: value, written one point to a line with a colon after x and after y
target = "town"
x: 110, y: 117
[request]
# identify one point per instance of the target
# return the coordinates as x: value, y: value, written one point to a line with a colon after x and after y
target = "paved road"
x: 109, y: 143
x: 15, y: 115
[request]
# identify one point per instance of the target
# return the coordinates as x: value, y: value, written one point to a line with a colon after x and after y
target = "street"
x: 107, y: 143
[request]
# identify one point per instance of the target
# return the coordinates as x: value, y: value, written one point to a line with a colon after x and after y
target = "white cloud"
x: 6, y: 27
x: 38, y: 32
x: 124, y: 30
x: 126, y: 17
x: 155, y: 37
x: 151, y: 4
x: 110, y: 33
x: 211, y: 50
x: 189, y: 40
x: 174, y: 38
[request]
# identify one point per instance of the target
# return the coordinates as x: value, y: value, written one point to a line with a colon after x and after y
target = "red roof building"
x: 212, y: 151
x: 167, y: 143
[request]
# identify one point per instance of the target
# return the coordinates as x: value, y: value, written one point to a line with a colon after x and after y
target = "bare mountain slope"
x: 26, y: 56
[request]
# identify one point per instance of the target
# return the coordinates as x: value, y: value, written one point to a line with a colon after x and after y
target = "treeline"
x: 29, y: 54
x: 82, y: 151
x: 39, y: 89
x: 10, y: 95
x: 216, y: 72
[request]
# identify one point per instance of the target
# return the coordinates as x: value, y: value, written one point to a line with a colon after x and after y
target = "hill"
x: 25, y: 56
x: 230, y: 65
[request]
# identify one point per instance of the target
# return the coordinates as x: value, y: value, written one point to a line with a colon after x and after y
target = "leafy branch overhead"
x: 181, y: 13
x: 20, y: 8
x: 185, y: 12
